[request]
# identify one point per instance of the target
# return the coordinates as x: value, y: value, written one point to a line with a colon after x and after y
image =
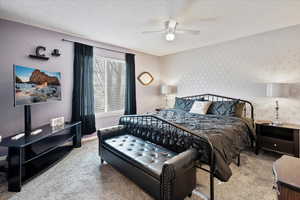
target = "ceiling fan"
x: 176, y: 8
x: 171, y: 29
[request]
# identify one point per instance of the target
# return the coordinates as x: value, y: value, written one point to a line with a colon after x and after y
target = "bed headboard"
x: 248, y: 109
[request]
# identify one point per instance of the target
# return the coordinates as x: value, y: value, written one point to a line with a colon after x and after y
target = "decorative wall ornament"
x: 55, y: 52
x: 145, y: 78
x: 39, y: 53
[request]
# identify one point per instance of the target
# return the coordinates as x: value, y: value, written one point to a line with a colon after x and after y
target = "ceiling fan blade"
x: 208, y: 19
x: 188, y: 31
x: 196, y: 20
x: 158, y: 31
x: 178, y: 7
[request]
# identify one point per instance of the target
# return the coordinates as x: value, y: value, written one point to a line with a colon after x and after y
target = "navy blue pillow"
x: 183, y: 104
x: 225, y: 108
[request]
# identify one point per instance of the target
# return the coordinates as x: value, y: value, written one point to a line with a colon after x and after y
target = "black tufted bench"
x: 164, y: 174
x: 149, y: 155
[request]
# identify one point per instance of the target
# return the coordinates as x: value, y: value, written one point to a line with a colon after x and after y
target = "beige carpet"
x: 79, y: 176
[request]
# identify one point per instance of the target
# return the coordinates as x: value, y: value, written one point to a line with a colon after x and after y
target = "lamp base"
x: 276, y: 123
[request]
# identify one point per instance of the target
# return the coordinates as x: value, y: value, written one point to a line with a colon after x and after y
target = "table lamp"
x: 165, y: 90
x: 276, y: 90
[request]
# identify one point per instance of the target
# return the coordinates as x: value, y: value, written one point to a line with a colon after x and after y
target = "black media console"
x: 31, y: 155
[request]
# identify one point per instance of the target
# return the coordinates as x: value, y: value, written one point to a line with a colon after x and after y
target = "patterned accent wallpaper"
x: 241, y: 68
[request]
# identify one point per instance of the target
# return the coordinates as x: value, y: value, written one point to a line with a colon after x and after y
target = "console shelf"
x: 33, y: 154
x: 43, y: 163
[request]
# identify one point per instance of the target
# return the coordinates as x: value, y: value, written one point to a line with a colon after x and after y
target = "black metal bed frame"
x: 214, y: 97
x: 147, y: 124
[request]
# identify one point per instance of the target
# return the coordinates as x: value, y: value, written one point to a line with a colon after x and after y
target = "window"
x: 109, y: 84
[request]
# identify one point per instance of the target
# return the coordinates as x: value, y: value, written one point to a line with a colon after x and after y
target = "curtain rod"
x: 65, y: 40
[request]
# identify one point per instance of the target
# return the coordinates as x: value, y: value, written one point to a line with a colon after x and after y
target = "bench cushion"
x: 150, y: 156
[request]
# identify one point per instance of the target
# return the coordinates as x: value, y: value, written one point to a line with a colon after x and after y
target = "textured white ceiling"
x: 120, y: 22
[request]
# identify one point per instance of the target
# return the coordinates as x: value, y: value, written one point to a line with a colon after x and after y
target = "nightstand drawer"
x: 278, y: 145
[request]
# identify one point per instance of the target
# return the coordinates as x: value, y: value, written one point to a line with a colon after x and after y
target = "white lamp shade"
x: 277, y: 90
x: 165, y: 89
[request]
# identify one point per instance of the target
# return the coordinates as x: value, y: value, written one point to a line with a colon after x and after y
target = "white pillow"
x: 200, y: 107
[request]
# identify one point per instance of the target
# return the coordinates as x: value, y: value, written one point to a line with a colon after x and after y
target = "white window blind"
x: 109, y: 84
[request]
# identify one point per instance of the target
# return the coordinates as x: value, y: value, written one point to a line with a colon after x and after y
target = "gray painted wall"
x: 17, y: 41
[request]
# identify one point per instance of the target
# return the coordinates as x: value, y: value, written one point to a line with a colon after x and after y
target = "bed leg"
x: 101, y: 161
x: 212, y: 195
x: 239, y: 160
x: 212, y: 174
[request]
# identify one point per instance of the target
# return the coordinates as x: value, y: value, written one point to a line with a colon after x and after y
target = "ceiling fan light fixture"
x: 170, y: 36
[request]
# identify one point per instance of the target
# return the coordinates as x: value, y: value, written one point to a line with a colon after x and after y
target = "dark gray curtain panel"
x: 130, y: 92
x: 83, y: 88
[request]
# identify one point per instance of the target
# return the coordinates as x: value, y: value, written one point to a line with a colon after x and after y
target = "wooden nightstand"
x: 282, y: 139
